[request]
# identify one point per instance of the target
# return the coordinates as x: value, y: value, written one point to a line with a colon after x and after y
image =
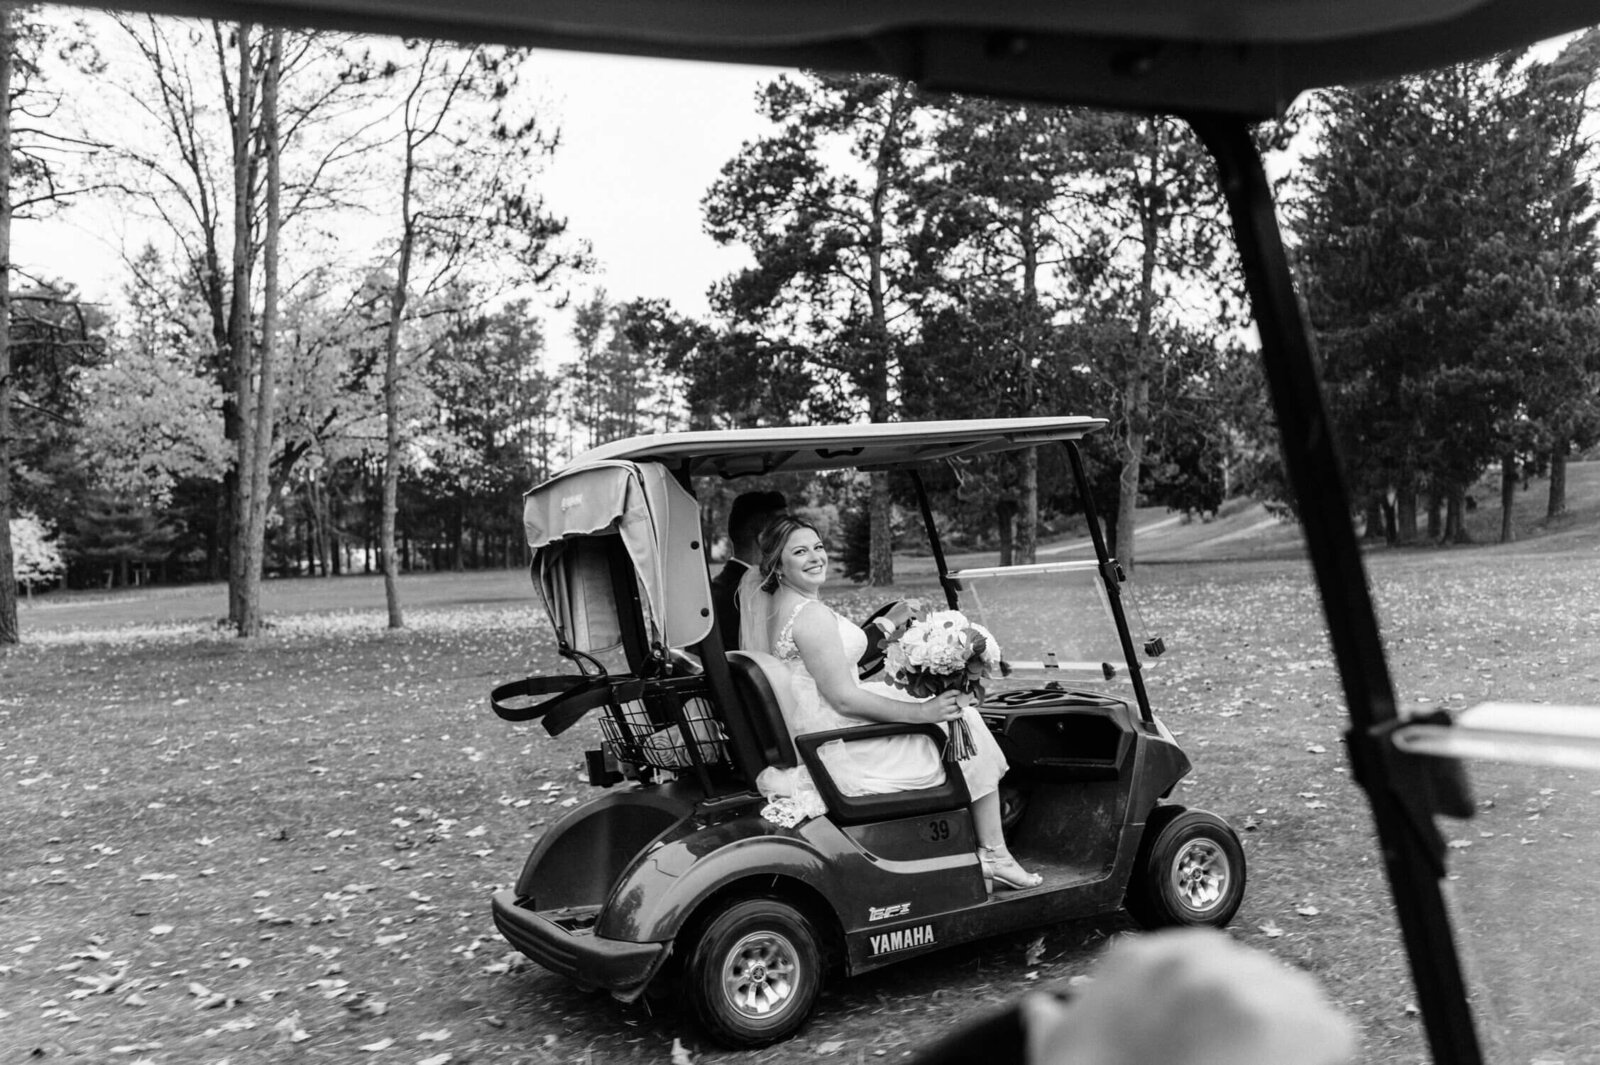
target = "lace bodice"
x: 854, y: 640
x: 811, y: 712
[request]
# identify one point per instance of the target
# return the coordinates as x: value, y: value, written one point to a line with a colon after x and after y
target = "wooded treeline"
x: 272, y: 394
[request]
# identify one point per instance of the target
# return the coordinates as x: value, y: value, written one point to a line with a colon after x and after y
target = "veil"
x: 756, y: 611
x: 792, y: 796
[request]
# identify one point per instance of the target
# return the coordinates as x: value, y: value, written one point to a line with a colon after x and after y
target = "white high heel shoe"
x: 1000, y: 867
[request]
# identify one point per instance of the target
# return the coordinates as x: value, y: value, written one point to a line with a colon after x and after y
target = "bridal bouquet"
x: 929, y: 652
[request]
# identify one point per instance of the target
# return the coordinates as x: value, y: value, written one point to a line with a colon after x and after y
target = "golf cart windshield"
x: 1053, y: 621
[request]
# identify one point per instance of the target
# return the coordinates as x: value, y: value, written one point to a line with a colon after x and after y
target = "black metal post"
x: 952, y: 595
x: 1413, y: 853
x: 1111, y: 580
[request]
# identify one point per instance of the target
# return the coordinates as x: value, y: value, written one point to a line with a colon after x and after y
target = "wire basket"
x: 648, y: 732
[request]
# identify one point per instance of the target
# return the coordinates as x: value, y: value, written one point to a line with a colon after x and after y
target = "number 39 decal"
x: 936, y: 831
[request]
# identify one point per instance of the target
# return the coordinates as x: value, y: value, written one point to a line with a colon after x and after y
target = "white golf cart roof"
x: 860, y: 445
x: 1238, y: 57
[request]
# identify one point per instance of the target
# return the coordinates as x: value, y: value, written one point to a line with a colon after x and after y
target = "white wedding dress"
x: 875, y: 766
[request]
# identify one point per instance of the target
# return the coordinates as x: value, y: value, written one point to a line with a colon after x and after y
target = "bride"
x: 781, y: 613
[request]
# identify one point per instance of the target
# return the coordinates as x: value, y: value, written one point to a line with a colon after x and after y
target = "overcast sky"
x: 642, y: 142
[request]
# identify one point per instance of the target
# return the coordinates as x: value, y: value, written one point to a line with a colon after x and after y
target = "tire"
x: 755, y: 972
x: 1189, y: 871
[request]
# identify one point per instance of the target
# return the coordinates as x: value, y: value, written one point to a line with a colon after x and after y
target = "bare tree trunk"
x: 259, y: 498
x: 1136, y: 390
x: 1406, y: 515
x: 1455, y: 520
x: 391, y: 396
x: 9, y: 633
x: 1375, y: 523
x: 244, y: 564
x: 1027, y: 546
x: 1508, y: 496
x: 1027, y: 549
x: 880, y: 556
x: 321, y: 524
x: 1136, y: 411
x: 1557, y: 505
x: 1005, y: 519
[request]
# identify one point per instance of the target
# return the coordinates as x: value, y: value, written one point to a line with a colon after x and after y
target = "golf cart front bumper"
x: 570, y: 948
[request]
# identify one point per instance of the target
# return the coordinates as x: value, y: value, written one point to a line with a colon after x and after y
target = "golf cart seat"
x: 763, y: 687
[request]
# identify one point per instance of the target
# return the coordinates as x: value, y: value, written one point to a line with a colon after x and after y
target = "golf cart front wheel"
x: 1190, y: 871
x: 755, y: 972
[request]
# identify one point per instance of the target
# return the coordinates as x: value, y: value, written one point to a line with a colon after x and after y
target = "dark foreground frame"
x: 1403, y: 802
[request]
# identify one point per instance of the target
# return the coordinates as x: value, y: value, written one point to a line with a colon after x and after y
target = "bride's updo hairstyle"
x: 770, y: 545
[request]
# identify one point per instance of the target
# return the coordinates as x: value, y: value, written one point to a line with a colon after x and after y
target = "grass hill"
x: 1243, y: 529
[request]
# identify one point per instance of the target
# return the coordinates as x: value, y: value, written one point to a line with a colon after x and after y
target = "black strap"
x: 571, y: 696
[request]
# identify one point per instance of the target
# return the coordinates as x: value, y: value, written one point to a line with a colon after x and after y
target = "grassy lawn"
x: 283, y: 850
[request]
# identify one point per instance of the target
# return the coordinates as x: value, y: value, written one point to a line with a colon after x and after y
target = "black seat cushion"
x: 762, y: 709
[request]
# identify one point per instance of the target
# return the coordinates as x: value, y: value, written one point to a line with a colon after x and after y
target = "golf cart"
x: 674, y: 877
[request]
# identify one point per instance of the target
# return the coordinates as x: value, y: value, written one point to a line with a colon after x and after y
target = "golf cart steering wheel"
x: 871, y: 660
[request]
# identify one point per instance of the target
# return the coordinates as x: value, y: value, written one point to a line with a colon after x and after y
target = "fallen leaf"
x: 238, y: 1024
x: 371, y: 1007
x: 680, y: 1053
x: 439, y: 1035
x: 289, y: 1029
x: 832, y: 1046
x: 161, y: 930
x: 373, y: 1048
x: 96, y: 985
x: 436, y: 1059
x: 1270, y: 930
x: 1308, y: 911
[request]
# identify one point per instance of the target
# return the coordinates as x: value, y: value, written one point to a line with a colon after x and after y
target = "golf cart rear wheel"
x: 1190, y: 871
x: 755, y: 972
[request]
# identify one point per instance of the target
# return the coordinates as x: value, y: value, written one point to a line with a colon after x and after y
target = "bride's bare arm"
x: 816, y: 634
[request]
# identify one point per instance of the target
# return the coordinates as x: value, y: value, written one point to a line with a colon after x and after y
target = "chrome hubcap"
x: 1200, y: 874
x: 759, y: 974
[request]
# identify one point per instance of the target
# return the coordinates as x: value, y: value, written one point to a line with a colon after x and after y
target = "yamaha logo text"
x: 902, y: 939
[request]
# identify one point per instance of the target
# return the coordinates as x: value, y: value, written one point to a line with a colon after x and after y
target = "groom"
x: 750, y: 514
